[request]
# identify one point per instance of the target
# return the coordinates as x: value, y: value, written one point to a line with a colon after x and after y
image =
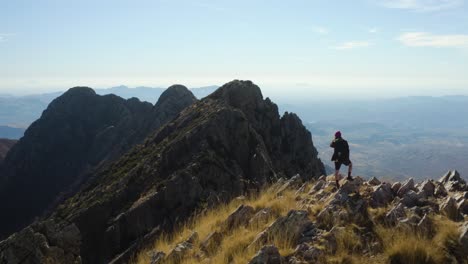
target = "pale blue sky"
x: 365, y: 47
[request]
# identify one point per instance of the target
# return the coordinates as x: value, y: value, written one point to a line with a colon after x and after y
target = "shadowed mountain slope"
x: 77, y: 133
x: 5, y: 146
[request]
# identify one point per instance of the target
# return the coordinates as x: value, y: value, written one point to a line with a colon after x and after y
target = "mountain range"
x: 18, y: 112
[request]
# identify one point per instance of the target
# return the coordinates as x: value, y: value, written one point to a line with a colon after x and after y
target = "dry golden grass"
x: 398, y: 246
x: 378, y: 214
x: 348, y: 241
x: 234, y: 245
x: 409, y: 247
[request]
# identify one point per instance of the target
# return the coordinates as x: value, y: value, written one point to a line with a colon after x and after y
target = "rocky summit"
x: 231, y: 143
x: 296, y: 221
x: 78, y: 133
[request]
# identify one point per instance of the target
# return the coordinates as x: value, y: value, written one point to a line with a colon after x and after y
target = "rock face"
x: 453, y: 182
x: 296, y: 226
x: 223, y: 146
x: 79, y: 132
x: 5, y: 146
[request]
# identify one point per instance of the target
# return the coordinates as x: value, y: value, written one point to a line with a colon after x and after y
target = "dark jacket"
x: 341, y: 150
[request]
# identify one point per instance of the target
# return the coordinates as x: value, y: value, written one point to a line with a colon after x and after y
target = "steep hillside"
x: 313, y: 222
x: 77, y: 133
x: 233, y: 142
x: 5, y: 146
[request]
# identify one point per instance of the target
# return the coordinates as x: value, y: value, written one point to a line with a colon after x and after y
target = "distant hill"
x: 11, y: 132
x: 418, y: 137
x: 21, y: 111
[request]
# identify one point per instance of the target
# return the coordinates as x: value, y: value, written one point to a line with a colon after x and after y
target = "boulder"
x: 240, y: 217
x: 381, y: 196
x: 460, y: 196
x: 406, y: 187
x: 295, y: 226
x: 317, y: 186
x: 395, y: 214
x: 349, y: 187
x: 344, y: 209
x: 412, y: 198
x: 395, y: 187
x: 453, y: 182
x: 267, y: 255
x: 211, y: 243
x: 427, y: 188
x: 293, y: 182
x: 450, y: 208
x: 440, y: 191
x: 261, y: 217
x: 463, y: 206
x: 373, y: 181
x: 310, y: 254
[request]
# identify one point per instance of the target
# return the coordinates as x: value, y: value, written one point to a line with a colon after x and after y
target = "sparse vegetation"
x: 395, y: 245
x: 234, y: 246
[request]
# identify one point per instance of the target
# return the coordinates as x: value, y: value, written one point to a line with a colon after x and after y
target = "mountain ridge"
x: 21, y: 111
x: 230, y: 143
x: 78, y: 132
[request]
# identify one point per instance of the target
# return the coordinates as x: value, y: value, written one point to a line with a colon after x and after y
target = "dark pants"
x: 341, y: 162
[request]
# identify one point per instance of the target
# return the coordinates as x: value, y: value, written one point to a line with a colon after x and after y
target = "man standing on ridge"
x: 341, y: 156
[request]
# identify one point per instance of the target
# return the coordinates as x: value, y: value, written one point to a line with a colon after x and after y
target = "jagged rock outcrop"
x: 79, y: 132
x: 296, y: 226
x: 5, y: 146
x: 453, y: 182
x: 240, y: 217
x: 326, y: 225
x: 228, y: 144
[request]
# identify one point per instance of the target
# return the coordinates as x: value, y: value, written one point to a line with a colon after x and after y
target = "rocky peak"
x: 175, y: 93
x: 79, y: 91
x: 171, y: 102
x: 244, y: 95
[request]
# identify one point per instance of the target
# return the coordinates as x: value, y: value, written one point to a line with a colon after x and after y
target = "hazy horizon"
x: 366, y: 48
x: 297, y: 94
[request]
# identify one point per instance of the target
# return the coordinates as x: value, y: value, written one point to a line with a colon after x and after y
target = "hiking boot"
x: 349, y: 178
x: 337, y: 184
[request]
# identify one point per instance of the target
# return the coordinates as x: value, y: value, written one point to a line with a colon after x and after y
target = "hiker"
x: 341, y: 156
